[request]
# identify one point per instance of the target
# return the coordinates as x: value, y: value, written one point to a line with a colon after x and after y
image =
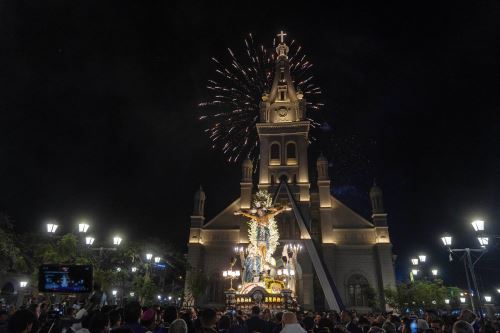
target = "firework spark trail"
x: 233, y: 108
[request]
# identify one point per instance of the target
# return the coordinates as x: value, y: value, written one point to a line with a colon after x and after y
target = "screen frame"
x: 88, y: 284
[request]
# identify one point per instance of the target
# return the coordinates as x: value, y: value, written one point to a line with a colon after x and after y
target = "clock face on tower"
x: 282, y: 112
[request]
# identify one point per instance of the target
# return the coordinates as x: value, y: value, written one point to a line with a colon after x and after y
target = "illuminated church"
x: 346, y: 261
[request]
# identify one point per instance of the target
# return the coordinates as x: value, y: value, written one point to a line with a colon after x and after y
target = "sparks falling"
x: 232, y: 109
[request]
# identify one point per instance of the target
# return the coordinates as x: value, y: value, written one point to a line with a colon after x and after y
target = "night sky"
x: 98, y: 113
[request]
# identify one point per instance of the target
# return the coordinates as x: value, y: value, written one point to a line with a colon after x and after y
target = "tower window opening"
x: 291, y: 153
x: 282, y: 95
x: 275, y: 153
x: 282, y: 75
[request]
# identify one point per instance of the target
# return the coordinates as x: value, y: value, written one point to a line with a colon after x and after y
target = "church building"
x: 354, y: 252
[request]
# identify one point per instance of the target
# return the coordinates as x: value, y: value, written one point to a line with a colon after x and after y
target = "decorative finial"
x: 282, y: 35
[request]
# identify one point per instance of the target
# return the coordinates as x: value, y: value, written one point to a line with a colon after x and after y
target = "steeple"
x: 283, y: 130
x: 379, y: 215
x: 283, y: 103
x: 199, y: 203
x: 376, y: 197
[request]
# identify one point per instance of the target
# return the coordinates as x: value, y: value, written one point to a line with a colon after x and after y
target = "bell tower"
x: 283, y: 130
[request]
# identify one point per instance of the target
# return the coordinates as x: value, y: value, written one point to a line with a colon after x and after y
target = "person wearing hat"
x: 148, y: 320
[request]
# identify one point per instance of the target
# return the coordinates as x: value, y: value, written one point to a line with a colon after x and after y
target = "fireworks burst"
x: 235, y: 94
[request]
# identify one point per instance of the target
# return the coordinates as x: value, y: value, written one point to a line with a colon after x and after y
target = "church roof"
x: 343, y: 217
x: 226, y: 218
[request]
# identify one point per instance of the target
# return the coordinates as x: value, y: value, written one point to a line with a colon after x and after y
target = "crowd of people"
x: 133, y: 318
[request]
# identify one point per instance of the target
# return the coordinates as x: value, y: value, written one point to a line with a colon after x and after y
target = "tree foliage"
x: 420, y: 294
x: 197, y: 284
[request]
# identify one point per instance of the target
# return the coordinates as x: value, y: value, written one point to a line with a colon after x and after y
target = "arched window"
x: 291, y: 153
x: 275, y: 152
x: 357, y: 287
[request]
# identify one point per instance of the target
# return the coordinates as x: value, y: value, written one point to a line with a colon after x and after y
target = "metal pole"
x: 468, y: 285
x: 474, y: 281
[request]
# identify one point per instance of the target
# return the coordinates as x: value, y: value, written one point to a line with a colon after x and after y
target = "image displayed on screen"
x: 65, y: 278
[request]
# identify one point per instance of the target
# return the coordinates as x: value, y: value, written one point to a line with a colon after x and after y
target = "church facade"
x: 355, y: 252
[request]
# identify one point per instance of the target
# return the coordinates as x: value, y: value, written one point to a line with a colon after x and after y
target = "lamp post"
x: 83, y: 227
x: 52, y: 227
x: 469, y: 265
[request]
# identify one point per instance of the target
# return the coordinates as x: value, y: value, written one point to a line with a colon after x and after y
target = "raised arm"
x: 239, y: 212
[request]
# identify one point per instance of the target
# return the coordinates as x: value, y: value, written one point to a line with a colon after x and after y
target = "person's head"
x: 345, y: 316
x: 467, y: 315
x: 21, y: 321
x: 99, y: 323
x: 255, y: 310
x: 148, y: 319
x: 278, y: 317
x: 132, y: 312
x: 208, y: 317
x: 224, y: 322
x: 266, y: 314
x: 436, y: 325
x: 178, y: 326
x: 115, y: 318
x: 389, y: 327
x: 170, y: 314
x: 35, y: 308
x: 289, y: 318
x: 4, y: 315
x: 376, y: 329
x: 325, y: 323
x: 308, y: 323
x: 461, y: 326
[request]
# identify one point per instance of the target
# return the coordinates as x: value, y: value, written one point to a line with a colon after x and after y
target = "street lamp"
x: 132, y: 294
x: 23, y: 284
x: 462, y: 300
x: 114, y: 292
x: 422, y: 257
x: 434, y: 272
x: 447, y: 301
x: 487, y: 299
x: 118, y: 269
x: 149, y: 256
x: 478, y: 225
x: 83, y: 227
x: 483, y: 241
x: 159, y: 297
x: 134, y: 269
x: 498, y: 290
x: 89, y: 240
x: 169, y: 298
x: 117, y: 240
x: 446, y: 239
x: 157, y: 259
x: 52, y: 227
x: 414, y: 261
x: 414, y: 271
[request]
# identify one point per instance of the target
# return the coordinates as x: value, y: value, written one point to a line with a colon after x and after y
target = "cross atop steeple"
x: 282, y: 35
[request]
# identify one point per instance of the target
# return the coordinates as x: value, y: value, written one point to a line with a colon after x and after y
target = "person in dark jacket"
x: 255, y: 323
x: 347, y: 319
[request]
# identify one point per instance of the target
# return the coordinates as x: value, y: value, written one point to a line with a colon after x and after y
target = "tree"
x: 420, y: 294
x: 197, y: 283
x: 11, y: 256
